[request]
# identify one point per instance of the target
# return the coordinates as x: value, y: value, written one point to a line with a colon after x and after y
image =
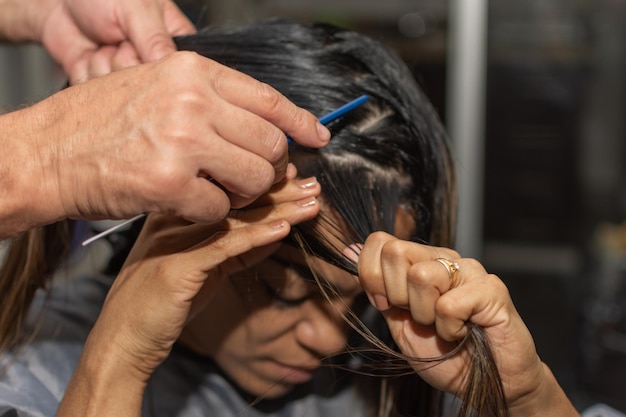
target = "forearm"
x: 102, y: 385
x: 29, y: 192
x: 548, y: 399
x: 22, y: 20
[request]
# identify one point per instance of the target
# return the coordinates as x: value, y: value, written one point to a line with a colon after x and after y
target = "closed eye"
x: 276, y: 296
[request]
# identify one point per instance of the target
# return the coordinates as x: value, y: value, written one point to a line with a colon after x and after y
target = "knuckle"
x: 221, y: 78
x: 420, y: 275
x: 394, y: 249
x: 301, y: 119
x: 270, y: 97
x: 259, y: 178
x: 377, y: 238
x: 158, y: 41
x: 275, y: 141
x: 265, y: 180
x: 184, y: 60
x: 167, y: 177
x: 233, y: 242
x: 497, y: 284
x: 452, y: 254
x: 183, y: 71
x: 218, y: 207
x: 446, y: 253
x: 219, y: 240
x: 280, y: 169
x: 472, y: 263
x: 447, y: 307
x: 375, y: 241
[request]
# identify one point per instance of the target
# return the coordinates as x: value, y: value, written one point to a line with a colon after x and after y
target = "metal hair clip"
x: 333, y: 115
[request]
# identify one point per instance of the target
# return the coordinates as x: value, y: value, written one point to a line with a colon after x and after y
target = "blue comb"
x: 335, y: 114
x: 327, y: 118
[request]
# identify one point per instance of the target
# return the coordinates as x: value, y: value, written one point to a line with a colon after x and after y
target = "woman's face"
x: 270, y: 327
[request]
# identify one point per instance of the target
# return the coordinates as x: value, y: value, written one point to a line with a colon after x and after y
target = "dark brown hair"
x: 390, y: 153
x: 30, y: 261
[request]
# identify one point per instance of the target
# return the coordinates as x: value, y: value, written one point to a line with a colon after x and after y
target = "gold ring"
x: 451, y: 267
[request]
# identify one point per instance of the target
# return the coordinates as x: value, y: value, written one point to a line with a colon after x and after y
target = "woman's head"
x: 387, y: 167
x: 390, y: 153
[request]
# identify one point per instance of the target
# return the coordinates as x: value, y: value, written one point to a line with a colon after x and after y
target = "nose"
x: 322, y: 330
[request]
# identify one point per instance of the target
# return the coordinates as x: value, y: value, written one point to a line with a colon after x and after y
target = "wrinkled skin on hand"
x: 142, y: 139
x: 148, y: 139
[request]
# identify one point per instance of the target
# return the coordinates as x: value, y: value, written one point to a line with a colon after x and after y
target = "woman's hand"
x: 168, y: 276
x: 427, y: 306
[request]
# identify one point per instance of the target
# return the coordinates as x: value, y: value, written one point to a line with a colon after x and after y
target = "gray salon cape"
x: 184, y: 385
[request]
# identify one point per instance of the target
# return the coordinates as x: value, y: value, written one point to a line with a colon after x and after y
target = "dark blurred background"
x: 534, y: 96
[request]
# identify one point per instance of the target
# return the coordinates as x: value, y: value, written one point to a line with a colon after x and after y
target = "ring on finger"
x: 451, y: 267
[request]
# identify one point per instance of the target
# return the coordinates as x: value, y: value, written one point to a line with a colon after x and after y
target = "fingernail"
x: 278, y: 224
x: 381, y: 302
x: 307, y: 202
x: 307, y: 182
x: 291, y: 171
x: 323, y: 132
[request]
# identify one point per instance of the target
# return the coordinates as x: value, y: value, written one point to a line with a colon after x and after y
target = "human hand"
x: 168, y: 277
x: 427, y: 316
x: 92, y: 38
x: 149, y: 138
x: 174, y: 266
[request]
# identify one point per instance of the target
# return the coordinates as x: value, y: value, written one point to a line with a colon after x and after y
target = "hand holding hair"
x: 148, y: 139
x: 427, y: 304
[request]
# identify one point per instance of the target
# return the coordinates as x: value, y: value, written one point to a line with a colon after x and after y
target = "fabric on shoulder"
x: 35, y: 376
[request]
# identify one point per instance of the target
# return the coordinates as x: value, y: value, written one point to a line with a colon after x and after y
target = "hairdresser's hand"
x: 89, y: 38
x: 148, y: 139
x: 168, y: 277
x: 427, y: 313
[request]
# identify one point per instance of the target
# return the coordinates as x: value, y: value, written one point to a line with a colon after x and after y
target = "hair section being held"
x: 388, y: 162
